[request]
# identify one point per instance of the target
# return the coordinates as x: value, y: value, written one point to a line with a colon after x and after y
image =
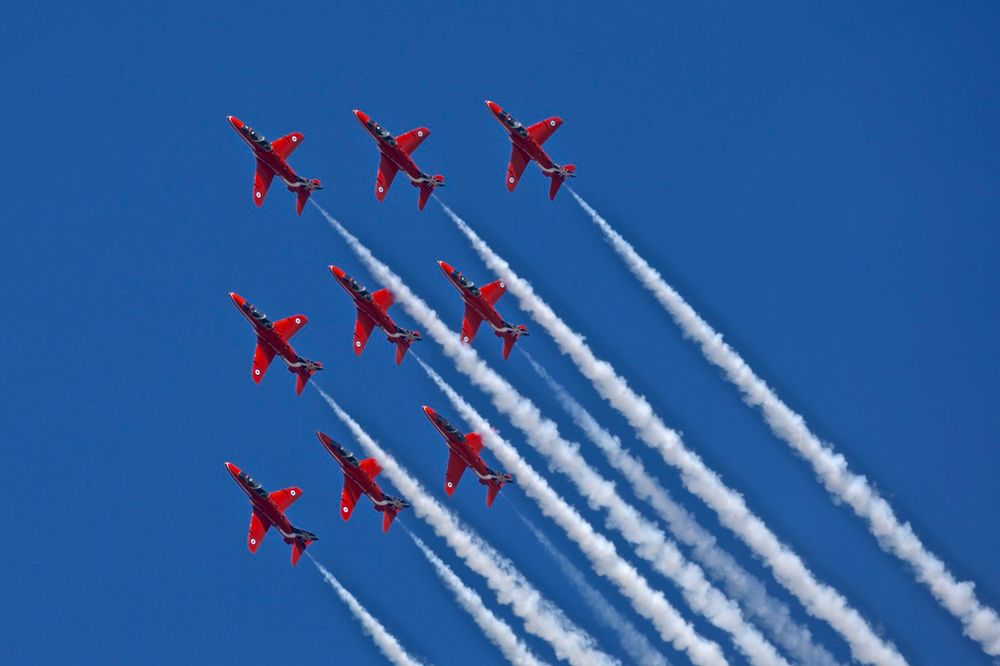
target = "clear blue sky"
x: 820, y: 184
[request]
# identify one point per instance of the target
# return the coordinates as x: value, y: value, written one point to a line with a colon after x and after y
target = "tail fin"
x: 494, y: 488
x: 301, y: 197
x: 302, y: 378
x: 425, y: 194
x: 298, y: 547
x: 387, y: 517
x: 401, y: 346
x: 510, y: 338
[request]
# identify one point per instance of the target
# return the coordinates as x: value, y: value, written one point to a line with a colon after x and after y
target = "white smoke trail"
x: 739, y: 583
x: 497, y: 631
x: 647, y: 602
x: 819, y: 599
x: 979, y: 622
x: 386, y: 642
x: 650, y: 542
x: 540, y: 617
x: 632, y: 641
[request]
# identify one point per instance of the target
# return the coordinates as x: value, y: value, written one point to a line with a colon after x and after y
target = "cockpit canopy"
x: 253, y: 485
x: 257, y: 315
x: 466, y: 282
x: 447, y: 427
x: 257, y: 138
x: 359, y: 289
x: 348, y: 457
x: 513, y: 124
x: 381, y: 133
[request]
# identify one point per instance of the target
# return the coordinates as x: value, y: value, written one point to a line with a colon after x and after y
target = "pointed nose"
x: 428, y: 411
x: 361, y: 116
x: 233, y: 469
x: 493, y: 106
x: 238, y: 300
x: 337, y: 273
x: 235, y: 122
x: 446, y: 267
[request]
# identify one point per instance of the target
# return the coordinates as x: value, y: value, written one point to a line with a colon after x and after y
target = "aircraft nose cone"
x: 233, y: 469
x: 428, y: 411
x: 445, y: 267
x: 337, y: 273
x: 237, y: 299
x: 493, y: 106
x: 361, y: 116
x: 235, y: 122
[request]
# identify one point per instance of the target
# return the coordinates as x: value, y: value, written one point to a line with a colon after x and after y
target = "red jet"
x: 463, y: 451
x: 269, y: 509
x: 372, y: 312
x: 479, y: 306
x: 527, y: 146
x: 359, y: 477
x: 272, y: 338
x: 271, y: 160
x: 395, y: 155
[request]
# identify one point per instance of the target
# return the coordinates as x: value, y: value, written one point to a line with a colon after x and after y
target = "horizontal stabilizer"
x: 301, y: 197
x: 387, y: 517
x: 401, y: 347
x: 298, y: 547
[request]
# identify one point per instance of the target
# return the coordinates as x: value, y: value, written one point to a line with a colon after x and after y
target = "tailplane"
x: 403, y: 344
x: 427, y: 188
x: 391, y: 510
x: 510, y: 338
x: 300, y: 542
x: 304, y: 372
x: 567, y: 171
x: 302, y: 193
x: 495, y: 484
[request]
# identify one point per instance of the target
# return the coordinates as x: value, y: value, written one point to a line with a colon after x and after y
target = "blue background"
x: 821, y: 184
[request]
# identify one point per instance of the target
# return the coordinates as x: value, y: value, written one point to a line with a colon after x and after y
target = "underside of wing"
x: 349, y: 498
x: 287, y: 144
x: 258, y: 528
x: 470, y: 324
x: 542, y: 130
x: 285, y: 497
x: 289, y: 326
x: 518, y: 160
x: 386, y: 172
x: 363, y: 326
x: 456, y: 466
x: 262, y: 356
x: 262, y: 178
x: 493, y: 291
x: 408, y: 141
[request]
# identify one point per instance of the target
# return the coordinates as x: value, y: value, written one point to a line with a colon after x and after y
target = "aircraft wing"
x: 258, y: 528
x: 262, y: 356
x: 363, y: 326
x: 470, y: 324
x: 289, y: 326
x: 518, y: 160
x: 542, y: 130
x: 386, y: 172
x: 261, y: 181
x: 456, y: 466
x: 409, y: 141
x: 287, y: 144
x: 349, y: 497
x: 493, y: 291
x: 383, y: 298
x: 285, y: 498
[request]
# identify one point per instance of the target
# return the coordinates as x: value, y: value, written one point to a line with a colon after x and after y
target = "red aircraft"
x: 272, y: 338
x: 371, y: 313
x: 463, y: 451
x: 271, y: 160
x: 527, y: 146
x: 479, y: 306
x: 359, y: 477
x: 395, y: 155
x: 269, y: 509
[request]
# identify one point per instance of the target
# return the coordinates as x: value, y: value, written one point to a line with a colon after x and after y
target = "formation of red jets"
x: 272, y: 338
